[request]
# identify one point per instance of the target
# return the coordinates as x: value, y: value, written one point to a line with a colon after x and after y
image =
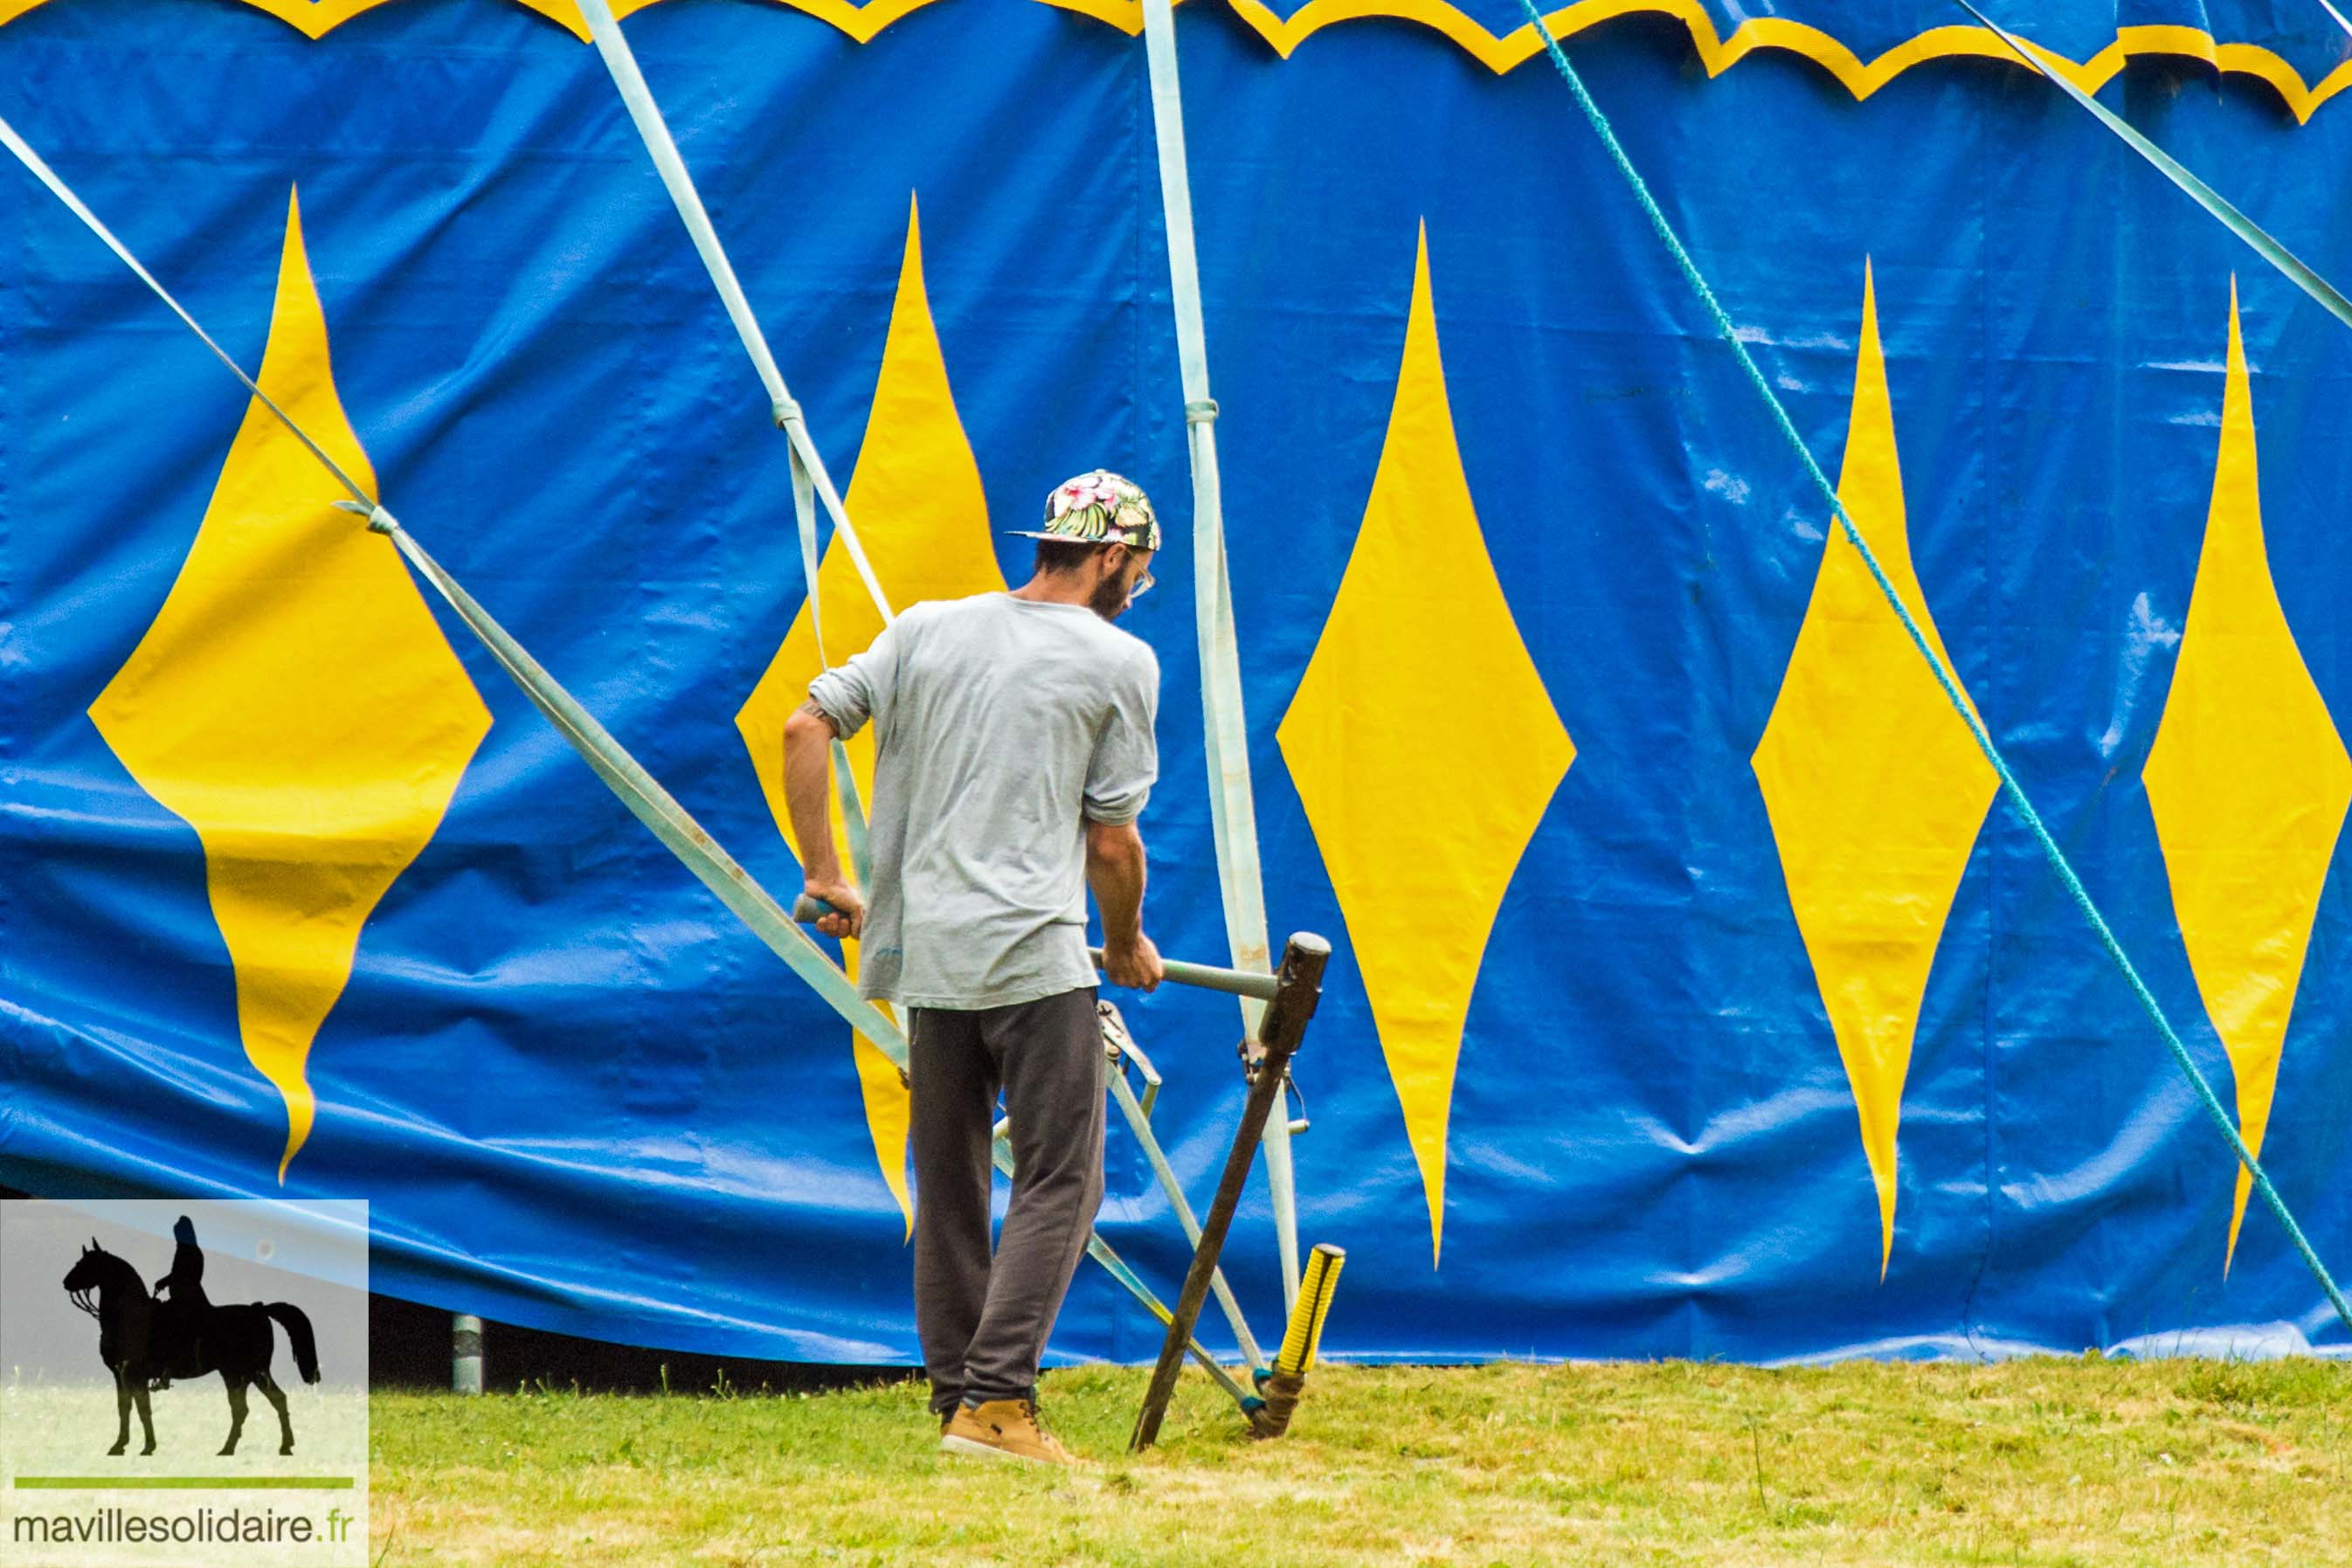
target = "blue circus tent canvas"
x: 1693, y: 994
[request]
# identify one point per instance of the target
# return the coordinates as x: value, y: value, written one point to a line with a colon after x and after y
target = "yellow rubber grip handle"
x: 1314, y: 1304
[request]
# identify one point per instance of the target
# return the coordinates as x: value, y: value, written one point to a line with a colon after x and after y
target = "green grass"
x: 2045, y: 1462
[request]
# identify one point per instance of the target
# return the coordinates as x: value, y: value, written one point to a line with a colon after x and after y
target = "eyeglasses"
x: 1139, y: 587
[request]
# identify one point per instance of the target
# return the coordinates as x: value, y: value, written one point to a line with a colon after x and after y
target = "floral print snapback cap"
x: 1099, y: 507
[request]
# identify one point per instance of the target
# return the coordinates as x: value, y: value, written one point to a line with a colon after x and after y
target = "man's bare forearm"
x: 1114, y: 871
x: 1114, y: 865
x: 808, y: 790
x: 808, y: 801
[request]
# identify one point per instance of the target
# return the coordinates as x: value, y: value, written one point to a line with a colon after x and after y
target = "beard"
x: 1110, y: 597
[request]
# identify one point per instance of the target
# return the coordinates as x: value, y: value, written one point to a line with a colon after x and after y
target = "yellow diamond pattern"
x: 928, y: 539
x: 296, y: 704
x: 1874, y: 789
x: 1424, y: 745
x: 2248, y: 781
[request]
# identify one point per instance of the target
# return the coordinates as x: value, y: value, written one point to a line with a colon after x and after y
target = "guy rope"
x: 2015, y: 792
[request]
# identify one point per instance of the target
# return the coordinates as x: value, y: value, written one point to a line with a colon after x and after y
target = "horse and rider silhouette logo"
x: 147, y: 1340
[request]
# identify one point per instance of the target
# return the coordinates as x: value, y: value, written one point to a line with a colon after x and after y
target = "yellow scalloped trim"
x: 861, y: 22
x: 316, y: 19
x: 1719, y: 54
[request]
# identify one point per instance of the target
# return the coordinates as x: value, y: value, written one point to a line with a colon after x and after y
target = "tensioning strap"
x: 809, y: 466
x: 2014, y: 791
x: 2329, y: 296
x: 810, y: 482
x: 804, y: 487
x: 1233, y: 811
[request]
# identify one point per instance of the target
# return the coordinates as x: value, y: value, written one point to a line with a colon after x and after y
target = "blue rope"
x: 1944, y: 677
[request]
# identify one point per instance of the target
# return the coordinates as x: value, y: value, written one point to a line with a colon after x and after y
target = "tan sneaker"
x: 1004, y: 1429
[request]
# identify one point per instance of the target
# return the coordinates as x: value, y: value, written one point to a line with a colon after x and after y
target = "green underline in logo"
x: 191, y: 1483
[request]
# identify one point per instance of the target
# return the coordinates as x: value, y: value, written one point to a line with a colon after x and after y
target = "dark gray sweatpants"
x: 984, y: 1323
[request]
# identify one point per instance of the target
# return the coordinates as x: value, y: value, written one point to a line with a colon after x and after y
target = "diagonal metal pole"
x: 702, y: 854
x: 812, y: 485
x: 611, y: 761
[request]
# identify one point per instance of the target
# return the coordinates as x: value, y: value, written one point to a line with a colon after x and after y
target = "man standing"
x: 1013, y: 754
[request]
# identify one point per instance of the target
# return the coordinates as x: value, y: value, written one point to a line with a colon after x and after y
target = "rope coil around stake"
x: 1283, y: 1382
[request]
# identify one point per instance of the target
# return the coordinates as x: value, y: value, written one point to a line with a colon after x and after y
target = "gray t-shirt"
x: 1001, y: 726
